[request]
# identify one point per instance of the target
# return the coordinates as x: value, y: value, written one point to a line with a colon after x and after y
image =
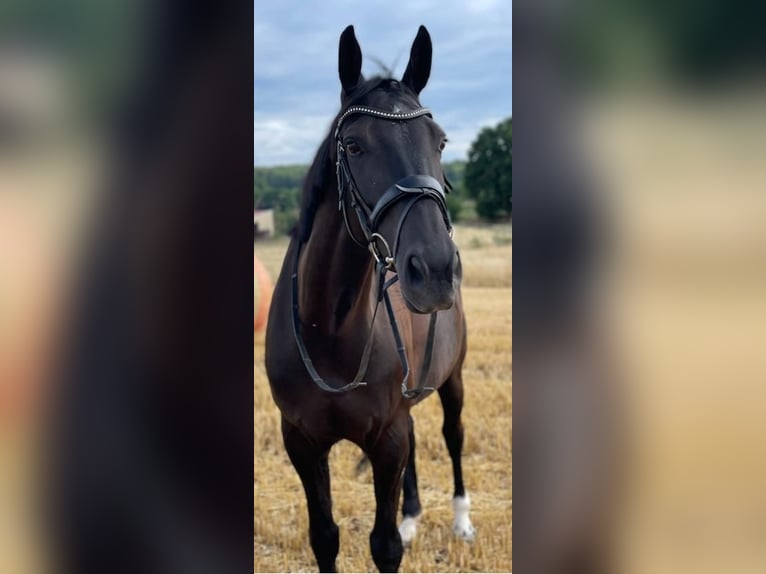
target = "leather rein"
x: 411, y: 188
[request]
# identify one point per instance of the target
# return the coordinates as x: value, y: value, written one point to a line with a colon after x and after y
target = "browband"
x: 379, y: 114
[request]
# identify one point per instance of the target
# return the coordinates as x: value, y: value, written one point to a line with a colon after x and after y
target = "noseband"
x: 411, y: 189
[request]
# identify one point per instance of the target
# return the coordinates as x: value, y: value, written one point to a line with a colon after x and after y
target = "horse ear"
x: 349, y: 60
x: 419, y: 67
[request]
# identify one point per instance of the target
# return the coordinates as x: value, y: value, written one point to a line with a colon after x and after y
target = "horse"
x: 373, y: 228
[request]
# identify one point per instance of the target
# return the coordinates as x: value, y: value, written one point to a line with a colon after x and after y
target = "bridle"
x: 411, y: 189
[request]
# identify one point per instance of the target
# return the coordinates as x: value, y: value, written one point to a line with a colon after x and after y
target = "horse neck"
x: 335, y: 274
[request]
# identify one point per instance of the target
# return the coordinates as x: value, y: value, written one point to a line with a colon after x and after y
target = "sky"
x: 297, y: 90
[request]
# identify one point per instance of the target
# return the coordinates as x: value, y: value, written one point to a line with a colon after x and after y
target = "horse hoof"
x: 462, y: 526
x: 464, y: 531
x: 408, y: 529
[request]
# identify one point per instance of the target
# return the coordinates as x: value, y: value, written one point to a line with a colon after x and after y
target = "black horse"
x: 374, y: 228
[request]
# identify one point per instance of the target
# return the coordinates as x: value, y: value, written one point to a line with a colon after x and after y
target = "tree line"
x: 481, y: 186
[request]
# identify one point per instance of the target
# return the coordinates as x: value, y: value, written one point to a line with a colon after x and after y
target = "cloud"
x: 295, y: 64
x: 280, y: 140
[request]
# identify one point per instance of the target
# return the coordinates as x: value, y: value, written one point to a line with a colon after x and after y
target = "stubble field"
x: 281, y: 521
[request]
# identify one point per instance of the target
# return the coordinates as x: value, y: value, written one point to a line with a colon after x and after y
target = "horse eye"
x: 442, y: 145
x: 353, y: 148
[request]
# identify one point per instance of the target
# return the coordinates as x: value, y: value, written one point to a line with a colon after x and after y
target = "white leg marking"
x: 408, y: 528
x: 462, y: 526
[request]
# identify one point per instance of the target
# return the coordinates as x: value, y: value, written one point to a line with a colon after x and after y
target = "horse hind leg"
x: 411, y: 508
x: 311, y: 464
x: 451, y: 395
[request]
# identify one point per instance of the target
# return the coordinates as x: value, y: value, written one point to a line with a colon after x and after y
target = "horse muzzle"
x: 430, y: 279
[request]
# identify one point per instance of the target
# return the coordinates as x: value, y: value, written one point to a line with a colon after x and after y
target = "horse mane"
x: 318, y: 179
x: 321, y: 174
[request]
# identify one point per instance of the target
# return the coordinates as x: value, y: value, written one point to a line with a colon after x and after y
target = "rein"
x: 413, y: 188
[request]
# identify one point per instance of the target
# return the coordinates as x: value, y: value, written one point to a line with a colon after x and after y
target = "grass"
x: 280, y: 516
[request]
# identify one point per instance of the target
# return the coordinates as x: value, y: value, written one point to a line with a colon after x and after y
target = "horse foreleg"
x: 310, y: 461
x: 411, y: 504
x: 388, y: 457
x: 451, y: 395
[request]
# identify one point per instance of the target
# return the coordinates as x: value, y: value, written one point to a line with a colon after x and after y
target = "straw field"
x: 281, y: 522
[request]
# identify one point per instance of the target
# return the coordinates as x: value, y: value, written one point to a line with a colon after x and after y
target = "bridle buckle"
x: 388, y: 260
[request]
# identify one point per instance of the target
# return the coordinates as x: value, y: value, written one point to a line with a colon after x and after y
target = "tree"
x: 279, y: 188
x: 454, y: 172
x: 488, y: 171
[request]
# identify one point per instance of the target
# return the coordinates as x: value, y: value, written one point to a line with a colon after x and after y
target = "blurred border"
x: 142, y: 418
x: 638, y: 257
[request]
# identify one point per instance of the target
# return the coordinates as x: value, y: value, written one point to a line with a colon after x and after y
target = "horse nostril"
x: 416, y: 269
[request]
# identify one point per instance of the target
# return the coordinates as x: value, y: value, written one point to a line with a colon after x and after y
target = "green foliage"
x: 284, y: 221
x: 279, y: 188
x: 455, y: 172
x: 488, y: 171
x: 454, y: 206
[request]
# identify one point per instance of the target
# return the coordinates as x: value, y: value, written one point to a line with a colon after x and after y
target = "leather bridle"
x: 411, y: 189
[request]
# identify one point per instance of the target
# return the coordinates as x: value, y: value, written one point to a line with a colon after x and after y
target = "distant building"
x: 263, y: 223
